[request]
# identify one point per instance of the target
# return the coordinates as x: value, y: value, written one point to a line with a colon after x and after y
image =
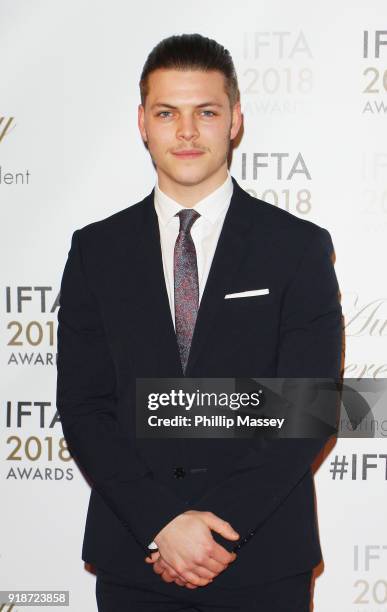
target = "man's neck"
x: 189, y: 195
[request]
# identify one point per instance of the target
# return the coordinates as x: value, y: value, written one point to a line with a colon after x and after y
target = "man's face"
x: 188, y: 111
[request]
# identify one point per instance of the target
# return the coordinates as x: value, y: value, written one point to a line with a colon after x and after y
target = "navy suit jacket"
x: 115, y: 325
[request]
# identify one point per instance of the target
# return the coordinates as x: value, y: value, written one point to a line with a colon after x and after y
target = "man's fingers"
x: 215, y: 523
x: 162, y: 565
x: 199, y: 571
x: 210, y: 567
x: 202, y: 571
x: 221, y: 555
x: 168, y: 566
x: 196, y: 574
x: 195, y: 579
x: 153, y: 557
x: 169, y: 575
x: 158, y: 567
x: 166, y: 576
x: 172, y: 572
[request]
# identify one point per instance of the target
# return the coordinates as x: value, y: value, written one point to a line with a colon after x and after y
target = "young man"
x: 143, y: 296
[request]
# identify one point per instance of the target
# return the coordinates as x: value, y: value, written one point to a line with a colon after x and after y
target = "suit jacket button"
x: 179, y: 472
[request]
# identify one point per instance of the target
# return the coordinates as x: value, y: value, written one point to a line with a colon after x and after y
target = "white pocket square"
x: 247, y: 293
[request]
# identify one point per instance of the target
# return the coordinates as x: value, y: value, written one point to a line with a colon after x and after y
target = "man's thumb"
x: 215, y: 523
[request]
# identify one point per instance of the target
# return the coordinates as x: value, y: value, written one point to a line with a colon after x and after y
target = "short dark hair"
x: 191, y: 52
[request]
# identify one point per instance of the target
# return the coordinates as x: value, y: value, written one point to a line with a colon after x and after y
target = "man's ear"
x: 140, y: 123
x: 236, y: 120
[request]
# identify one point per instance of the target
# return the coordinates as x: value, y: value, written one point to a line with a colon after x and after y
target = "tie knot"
x: 188, y: 217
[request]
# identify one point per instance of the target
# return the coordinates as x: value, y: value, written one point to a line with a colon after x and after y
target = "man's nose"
x: 187, y: 127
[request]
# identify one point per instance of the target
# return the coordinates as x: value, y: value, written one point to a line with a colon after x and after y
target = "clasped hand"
x: 188, y: 554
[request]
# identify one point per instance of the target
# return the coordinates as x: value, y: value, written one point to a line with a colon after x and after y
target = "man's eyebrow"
x: 165, y: 105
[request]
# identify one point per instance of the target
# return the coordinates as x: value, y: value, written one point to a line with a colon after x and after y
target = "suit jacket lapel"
x: 151, y: 292
x: 229, y: 252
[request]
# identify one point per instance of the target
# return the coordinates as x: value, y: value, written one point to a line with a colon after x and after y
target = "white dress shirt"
x: 205, y: 231
x: 205, y: 234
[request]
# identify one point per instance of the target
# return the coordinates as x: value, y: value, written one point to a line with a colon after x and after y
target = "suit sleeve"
x: 309, y: 347
x: 86, y: 402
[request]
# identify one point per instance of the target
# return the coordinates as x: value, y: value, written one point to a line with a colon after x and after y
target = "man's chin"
x: 189, y: 178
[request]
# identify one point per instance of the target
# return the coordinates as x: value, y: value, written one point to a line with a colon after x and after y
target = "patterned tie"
x: 186, y: 283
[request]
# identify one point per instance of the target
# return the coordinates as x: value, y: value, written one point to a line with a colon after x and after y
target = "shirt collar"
x: 209, y: 207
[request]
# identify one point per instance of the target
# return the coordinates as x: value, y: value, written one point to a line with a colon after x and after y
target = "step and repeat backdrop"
x: 313, y: 82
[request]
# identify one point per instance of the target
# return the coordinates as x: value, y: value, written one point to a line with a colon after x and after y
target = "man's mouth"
x: 188, y: 153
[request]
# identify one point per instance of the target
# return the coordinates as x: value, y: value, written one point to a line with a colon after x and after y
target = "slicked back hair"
x: 191, y: 52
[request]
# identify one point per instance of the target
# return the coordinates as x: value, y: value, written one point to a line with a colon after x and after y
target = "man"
x: 143, y: 296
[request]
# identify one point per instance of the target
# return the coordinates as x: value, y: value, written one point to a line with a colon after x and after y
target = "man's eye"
x: 164, y: 113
